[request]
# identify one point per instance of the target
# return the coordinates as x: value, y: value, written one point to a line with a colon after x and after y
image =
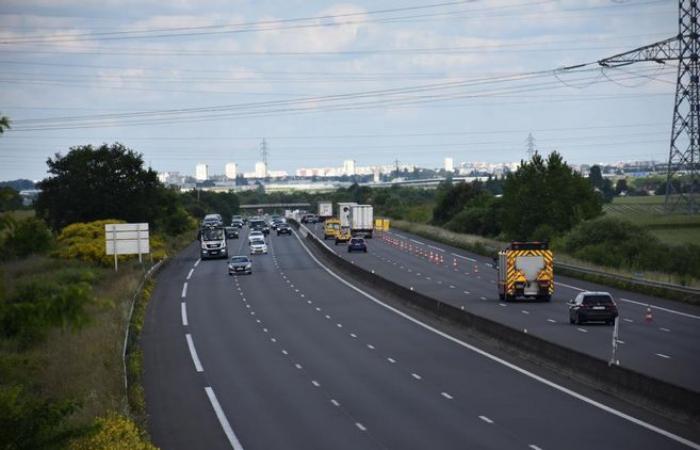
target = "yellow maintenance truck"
x: 526, y: 270
x: 330, y: 228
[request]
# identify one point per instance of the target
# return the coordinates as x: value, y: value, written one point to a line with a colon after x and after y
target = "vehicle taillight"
x: 544, y: 283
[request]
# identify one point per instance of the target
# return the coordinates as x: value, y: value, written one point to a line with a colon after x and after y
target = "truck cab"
x: 212, y: 241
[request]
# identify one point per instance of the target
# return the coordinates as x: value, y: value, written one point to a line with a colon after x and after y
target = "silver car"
x: 258, y: 247
x: 240, y: 264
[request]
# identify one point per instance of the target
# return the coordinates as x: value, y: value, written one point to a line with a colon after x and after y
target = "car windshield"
x: 212, y: 234
x: 257, y: 242
x: 357, y: 241
x: 597, y: 299
x: 239, y: 259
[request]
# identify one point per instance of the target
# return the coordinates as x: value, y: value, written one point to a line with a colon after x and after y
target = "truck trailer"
x: 362, y: 220
x: 325, y: 210
x: 526, y: 270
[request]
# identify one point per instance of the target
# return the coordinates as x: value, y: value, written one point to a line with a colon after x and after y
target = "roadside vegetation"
x: 63, y: 308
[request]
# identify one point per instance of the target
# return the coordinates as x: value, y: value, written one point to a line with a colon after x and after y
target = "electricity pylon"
x: 684, y: 153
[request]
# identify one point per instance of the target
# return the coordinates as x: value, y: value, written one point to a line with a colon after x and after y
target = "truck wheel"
x: 501, y: 296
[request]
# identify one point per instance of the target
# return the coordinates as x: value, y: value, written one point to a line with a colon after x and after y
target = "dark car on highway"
x: 231, y: 232
x: 260, y: 225
x: 240, y: 264
x: 283, y: 228
x: 592, y: 306
x: 357, y: 244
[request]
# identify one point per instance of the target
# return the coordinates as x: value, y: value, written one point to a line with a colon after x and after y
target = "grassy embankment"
x: 648, y: 212
x: 81, y: 365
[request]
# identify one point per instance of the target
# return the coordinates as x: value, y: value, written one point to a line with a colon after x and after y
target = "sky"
x: 203, y: 81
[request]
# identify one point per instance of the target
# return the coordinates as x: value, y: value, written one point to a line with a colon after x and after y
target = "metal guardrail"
x: 127, y: 331
x: 649, y: 283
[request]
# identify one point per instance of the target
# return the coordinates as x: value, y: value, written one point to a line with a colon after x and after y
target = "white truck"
x: 362, y: 220
x: 325, y: 210
x: 344, y: 213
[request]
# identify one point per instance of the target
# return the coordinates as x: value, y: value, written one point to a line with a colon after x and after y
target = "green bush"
x: 39, y: 305
x: 86, y: 242
x: 27, y: 422
x: 618, y: 243
x: 114, y: 432
x: 25, y: 237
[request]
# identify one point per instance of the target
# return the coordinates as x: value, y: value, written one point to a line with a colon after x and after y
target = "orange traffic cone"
x: 647, y: 315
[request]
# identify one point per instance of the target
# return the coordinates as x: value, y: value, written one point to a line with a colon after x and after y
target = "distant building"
x: 231, y: 170
x: 260, y: 170
x: 349, y: 167
x: 449, y: 165
x: 201, y: 172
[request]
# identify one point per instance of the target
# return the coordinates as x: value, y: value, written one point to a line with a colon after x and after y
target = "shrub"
x: 617, y: 243
x: 86, y: 242
x: 25, y: 237
x: 114, y: 432
x: 39, y: 305
x: 27, y: 422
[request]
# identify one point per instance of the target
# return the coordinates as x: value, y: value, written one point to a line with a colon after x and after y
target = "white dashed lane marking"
x: 183, y: 310
x: 446, y: 395
x: 661, y: 355
x: 189, y: 275
x: 184, y: 290
x: 485, y: 419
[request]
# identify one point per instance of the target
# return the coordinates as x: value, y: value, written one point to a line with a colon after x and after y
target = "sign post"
x: 126, y: 239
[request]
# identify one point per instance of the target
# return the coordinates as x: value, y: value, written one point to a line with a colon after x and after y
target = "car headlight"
x: 248, y: 266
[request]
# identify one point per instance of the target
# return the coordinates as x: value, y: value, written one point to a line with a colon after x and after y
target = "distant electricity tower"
x: 264, y: 154
x: 531, y: 149
x: 684, y: 154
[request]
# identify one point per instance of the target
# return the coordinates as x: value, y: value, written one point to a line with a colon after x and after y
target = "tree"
x: 451, y: 199
x: 9, y: 199
x: 595, y: 176
x: 546, y: 192
x: 90, y: 184
x: 621, y: 186
x: 4, y: 124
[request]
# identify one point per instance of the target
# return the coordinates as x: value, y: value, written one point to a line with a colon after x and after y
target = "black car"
x: 231, y: 233
x: 240, y: 264
x: 283, y: 228
x: 309, y: 218
x: 357, y: 244
x: 260, y: 225
x: 592, y: 306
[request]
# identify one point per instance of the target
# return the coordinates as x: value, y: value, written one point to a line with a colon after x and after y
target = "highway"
x: 293, y: 357
x: 667, y: 347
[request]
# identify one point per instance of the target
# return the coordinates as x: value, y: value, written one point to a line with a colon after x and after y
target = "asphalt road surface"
x: 667, y: 347
x: 293, y: 357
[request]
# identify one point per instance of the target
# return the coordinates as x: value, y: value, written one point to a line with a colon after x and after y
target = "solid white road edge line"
x: 672, y: 311
x: 184, y: 290
x: 464, y: 257
x: 505, y: 363
x: 183, y: 310
x: 197, y: 364
x: 228, y: 431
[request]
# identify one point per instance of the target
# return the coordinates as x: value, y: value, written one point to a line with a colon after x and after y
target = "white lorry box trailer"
x: 325, y: 209
x: 362, y: 220
x: 344, y: 213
